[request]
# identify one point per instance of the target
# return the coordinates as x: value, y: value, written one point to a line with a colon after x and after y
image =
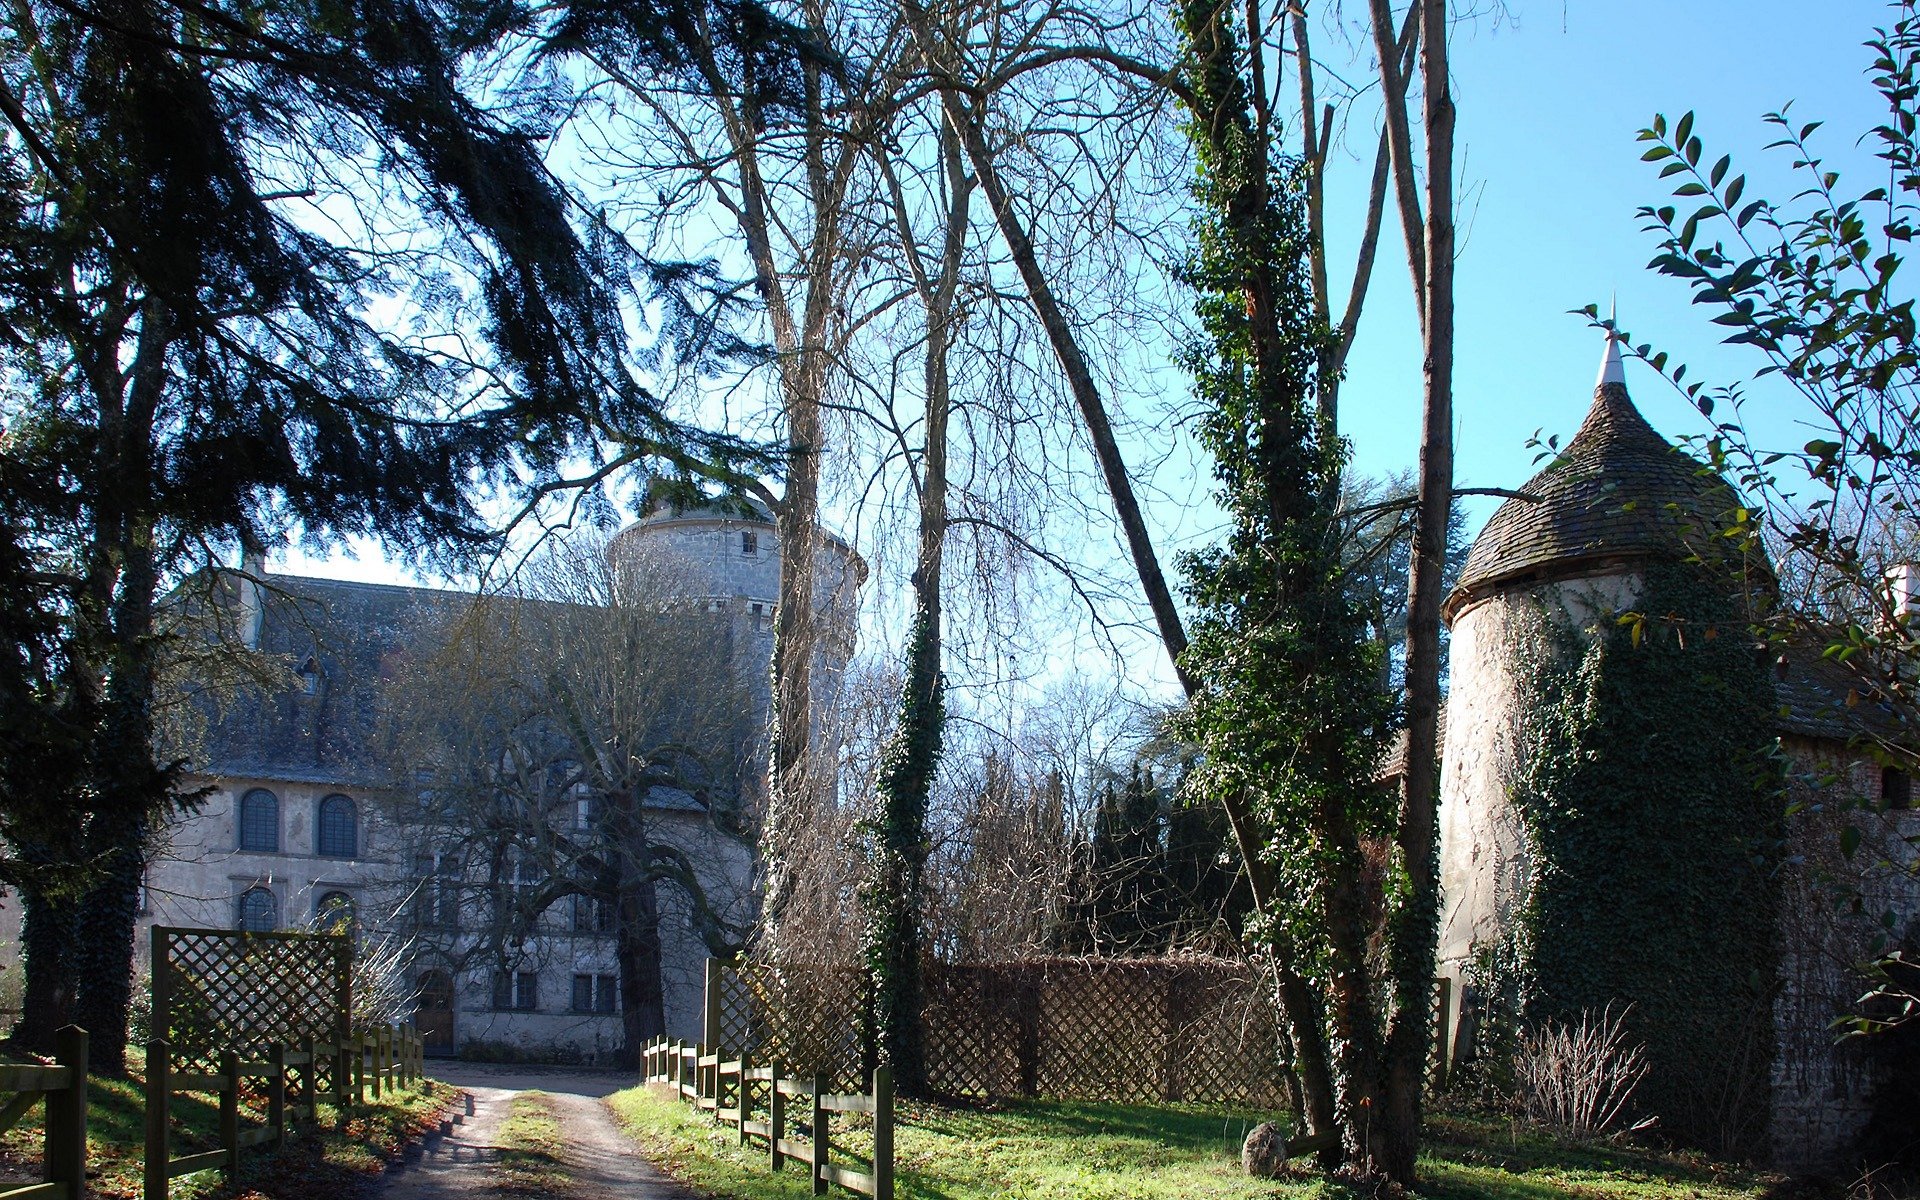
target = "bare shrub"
x: 1578, y: 1078
x: 381, y: 995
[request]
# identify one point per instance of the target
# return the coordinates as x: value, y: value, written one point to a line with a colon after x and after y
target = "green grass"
x: 1061, y: 1150
x: 530, y: 1146
x: 331, y: 1163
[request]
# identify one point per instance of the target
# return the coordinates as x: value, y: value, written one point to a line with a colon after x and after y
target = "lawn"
x: 333, y: 1163
x: 1063, y: 1150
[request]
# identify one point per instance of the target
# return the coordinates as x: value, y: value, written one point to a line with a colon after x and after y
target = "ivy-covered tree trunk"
x: 637, y: 947
x: 1286, y: 709
x: 49, y: 922
x: 891, y: 940
x: 1413, y: 936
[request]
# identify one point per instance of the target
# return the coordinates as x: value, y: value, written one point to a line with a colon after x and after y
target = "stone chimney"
x: 1903, y: 582
x: 253, y: 570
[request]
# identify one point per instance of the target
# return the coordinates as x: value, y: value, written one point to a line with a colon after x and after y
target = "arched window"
x: 339, y: 830
x: 260, y: 821
x: 258, y: 911
x: 334, y: 913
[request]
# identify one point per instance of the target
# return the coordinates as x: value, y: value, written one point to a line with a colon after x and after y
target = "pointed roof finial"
x: 1612, y: 369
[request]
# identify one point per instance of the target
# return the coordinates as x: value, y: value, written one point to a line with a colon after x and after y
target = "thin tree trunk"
x: 1400, y: 142
x: 906, y: 780
x: 1414, y: 939
x: 1073, y: 363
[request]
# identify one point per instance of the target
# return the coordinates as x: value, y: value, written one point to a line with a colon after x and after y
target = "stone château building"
x: 298, y: 824
x: 1539, y: 595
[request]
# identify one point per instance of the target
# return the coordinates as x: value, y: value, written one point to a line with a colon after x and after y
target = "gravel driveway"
x: 454, y: 1164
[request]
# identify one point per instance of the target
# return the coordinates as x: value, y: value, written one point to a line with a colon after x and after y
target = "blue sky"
x: 1549, y: 104
x: 1550, y: 97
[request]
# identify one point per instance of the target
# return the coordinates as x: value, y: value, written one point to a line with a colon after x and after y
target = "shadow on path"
x: 455, y: 1163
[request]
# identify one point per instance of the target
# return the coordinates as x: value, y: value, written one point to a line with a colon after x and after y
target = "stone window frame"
x: 516, y: 991
x: 328, y: 834
x: 246, y: 826
x: 249, y: 921
x: 596, y: 992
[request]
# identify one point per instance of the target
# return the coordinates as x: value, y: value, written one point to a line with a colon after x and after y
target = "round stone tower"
x: 1572, y: 550
x: 724, y: 555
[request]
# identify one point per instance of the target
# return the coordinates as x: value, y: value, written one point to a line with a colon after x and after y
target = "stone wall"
x: 1823, y: 1087
x: 1483, y: 845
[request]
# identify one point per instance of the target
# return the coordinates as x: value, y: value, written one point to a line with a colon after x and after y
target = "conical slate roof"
x: 1618, y: 492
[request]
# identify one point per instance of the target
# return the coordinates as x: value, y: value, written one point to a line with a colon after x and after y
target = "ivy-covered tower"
x: 1605, y: 797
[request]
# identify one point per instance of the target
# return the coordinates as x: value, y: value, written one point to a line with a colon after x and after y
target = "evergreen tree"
x: 201, y: 203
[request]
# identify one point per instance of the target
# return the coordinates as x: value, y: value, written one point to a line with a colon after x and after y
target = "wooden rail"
x: 729, y: 1089
x: 383, y: 1059
x: 63, y: 1086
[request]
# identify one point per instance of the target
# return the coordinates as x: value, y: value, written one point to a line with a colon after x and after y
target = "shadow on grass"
x: 1192, y: 1129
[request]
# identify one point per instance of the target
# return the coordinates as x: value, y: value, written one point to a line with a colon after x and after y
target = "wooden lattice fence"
x: 1099, y: 1029
x: 220, y: 990
x: 806, y: 1018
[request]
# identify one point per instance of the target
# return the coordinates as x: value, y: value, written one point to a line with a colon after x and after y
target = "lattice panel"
x: 218, y: 989
x: 1103, y: 1029
x: 804, y: 1018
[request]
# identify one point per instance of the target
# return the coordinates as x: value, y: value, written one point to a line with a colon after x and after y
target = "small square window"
x: 596, y: 993
x: 749, y: 542
x: 518, y: 990
x: 1896, y: 788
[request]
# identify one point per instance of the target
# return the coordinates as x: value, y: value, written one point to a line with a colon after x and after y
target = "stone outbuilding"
x: 1546, y: 584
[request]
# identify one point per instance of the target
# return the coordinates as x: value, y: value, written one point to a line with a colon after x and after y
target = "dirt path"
x: 455, y: 1164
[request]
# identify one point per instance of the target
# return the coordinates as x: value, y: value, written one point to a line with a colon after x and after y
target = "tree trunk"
x: 133, y: 791
x: 48, y: 932
x: 1413, y: 940
x: 636, y: 925
x: 894, y: 943
x: 637, y: 949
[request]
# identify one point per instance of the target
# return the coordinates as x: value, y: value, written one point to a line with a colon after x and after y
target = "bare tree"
x: 1430, y: 253
x: 581, y: 740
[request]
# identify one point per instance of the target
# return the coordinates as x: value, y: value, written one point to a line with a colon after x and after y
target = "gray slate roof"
x: 1618, y: 491
x: 356, y: 635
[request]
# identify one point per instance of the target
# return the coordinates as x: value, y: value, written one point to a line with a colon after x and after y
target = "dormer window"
x: 749, y: 542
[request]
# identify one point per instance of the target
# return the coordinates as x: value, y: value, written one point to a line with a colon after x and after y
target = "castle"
x: 300, y: 828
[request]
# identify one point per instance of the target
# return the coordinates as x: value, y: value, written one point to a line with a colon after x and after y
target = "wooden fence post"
x: 745, y: 1091
x: 379, y: 1062
x: 710, y: 1012
x: 277, y: 1094
x: 883, y: 1133
x: 160, y: 984
x: 776, y: 1115
x: 66, y: 1116
x: 309, y: 1082
x: 159, y: 1118
x: 821, y: 1135
x: 230, y: 1113
x: 346, y: 1081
